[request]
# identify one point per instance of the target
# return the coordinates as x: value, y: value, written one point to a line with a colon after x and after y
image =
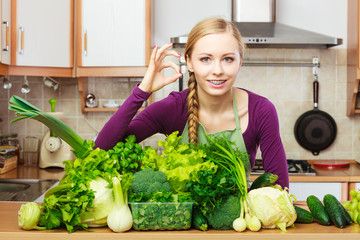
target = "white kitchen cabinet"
x: 302, y: 190
x: 113, y: 33
x: 5, y: 31
x: 44, y: 33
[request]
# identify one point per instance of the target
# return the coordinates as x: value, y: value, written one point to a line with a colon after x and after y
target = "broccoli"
x: 148, y: 181
x: 222, y: 218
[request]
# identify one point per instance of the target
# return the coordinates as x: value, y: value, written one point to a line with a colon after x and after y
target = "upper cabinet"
x: 75, y: 38
x: 44, y: 33
x: 5, y: 31
x: 37, y: 37
x: 113, y: 34
x: 353, y: 57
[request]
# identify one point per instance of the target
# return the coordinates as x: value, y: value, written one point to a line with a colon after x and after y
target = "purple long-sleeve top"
x: 170, y: 114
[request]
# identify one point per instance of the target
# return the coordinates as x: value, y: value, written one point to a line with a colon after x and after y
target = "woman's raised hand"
x: 154, y: 79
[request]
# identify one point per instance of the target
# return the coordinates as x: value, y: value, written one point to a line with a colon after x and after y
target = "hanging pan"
x: 315, y: 130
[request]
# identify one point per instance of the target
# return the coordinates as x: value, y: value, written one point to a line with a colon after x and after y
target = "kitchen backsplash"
x: 289, y: 88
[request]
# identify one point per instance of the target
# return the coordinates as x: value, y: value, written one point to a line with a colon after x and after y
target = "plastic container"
x: 161, y: 216
x: 31, y: 151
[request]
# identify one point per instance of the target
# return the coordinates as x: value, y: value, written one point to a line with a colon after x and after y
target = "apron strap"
x: 236, y: 114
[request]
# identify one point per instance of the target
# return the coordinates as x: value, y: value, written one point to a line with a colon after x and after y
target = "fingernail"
x: 179, y: 54
x: 170, y: 43
x: 180, y: 71
x: 155, y: 46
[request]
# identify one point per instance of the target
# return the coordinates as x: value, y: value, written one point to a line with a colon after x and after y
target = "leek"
x: 24, y: 110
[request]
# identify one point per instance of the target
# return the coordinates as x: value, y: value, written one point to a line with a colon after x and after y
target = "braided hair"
x: 203, y: 28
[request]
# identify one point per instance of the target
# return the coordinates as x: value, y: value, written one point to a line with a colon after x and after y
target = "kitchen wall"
x: 289, y: 88
x: 291, y: 91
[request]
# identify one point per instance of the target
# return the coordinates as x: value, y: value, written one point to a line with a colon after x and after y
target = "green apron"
x: 234, y: 136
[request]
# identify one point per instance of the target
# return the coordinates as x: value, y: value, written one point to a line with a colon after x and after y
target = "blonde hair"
x: 203, y: 28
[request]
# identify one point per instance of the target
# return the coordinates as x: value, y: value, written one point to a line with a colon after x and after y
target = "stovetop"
x: 295, y: 167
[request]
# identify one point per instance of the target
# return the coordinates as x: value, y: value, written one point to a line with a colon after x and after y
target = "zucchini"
x: 199, y: 221
x: 335, y: 212
x: 318, y: 211
x: 303, y: 216
x: 264, y: 180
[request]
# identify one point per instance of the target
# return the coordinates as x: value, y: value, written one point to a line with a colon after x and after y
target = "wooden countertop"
x: 9, y: 229
x: 349, y: 174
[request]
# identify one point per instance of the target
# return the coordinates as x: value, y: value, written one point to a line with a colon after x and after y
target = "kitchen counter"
x: 33, y: 172
x: 349, y: 174
x: 9, y: 229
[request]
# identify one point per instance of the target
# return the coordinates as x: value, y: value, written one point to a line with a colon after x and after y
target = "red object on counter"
x: 332, y: 164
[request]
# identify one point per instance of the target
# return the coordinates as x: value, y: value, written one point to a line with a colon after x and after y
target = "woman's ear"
x: 189, y: 64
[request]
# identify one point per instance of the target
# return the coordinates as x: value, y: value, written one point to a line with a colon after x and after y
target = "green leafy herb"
x: 234, y: 164
x: 161, y: 216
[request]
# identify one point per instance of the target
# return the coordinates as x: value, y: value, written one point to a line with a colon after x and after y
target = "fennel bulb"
x: 273, y: 207
x: 102, y: 204
x: 29, y: 216
x: 120, y: 218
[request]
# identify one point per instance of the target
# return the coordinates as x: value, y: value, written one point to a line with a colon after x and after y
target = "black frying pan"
x: 315, y: 130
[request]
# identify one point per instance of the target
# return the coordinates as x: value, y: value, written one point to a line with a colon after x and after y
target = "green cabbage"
x: 273, y: 207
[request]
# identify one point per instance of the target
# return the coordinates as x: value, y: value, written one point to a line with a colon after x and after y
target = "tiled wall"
x: 289, y: 88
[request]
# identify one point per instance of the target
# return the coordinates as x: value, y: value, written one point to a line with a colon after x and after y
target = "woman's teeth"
x: 217, y: 82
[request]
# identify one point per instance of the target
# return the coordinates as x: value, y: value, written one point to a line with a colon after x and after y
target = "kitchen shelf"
x: 353, y: 109
x: 82, y: 87
x: 353, y: 57
x: 86, y: 109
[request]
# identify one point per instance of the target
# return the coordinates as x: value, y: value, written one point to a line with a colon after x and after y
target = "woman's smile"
x: 217, y: 83
x: 215, y: 61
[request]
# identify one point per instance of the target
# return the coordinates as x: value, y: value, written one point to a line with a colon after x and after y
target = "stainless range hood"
x: 262, y: 32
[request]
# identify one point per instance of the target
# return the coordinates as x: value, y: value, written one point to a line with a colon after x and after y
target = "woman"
x: 211, y: 104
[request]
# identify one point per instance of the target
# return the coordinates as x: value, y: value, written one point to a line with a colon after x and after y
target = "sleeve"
x: 271, y: 147
x: 158, y: 117
x: 115, y: 129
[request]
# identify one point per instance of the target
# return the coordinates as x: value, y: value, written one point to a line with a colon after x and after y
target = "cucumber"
x: 264, y: 180
x: 199, y: 221
x: 335, y: 212
x: 318, y: 211
x: 303, y: 216
x: 345, y: 213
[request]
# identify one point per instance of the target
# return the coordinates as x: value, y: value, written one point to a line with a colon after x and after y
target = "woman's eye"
x: 205, y: 59
x: 228, y: 59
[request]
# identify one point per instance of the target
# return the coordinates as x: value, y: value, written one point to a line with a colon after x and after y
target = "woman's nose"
x: 217, y: 68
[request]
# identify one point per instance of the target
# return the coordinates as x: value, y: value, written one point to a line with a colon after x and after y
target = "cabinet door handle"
x: 21, y: 50
x: 85, y: 43
x: 7, y: 36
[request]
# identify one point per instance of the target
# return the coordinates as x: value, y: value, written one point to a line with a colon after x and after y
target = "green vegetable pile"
x: 84, y: 196
x: 205, y: 184
x: 215, y: 193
